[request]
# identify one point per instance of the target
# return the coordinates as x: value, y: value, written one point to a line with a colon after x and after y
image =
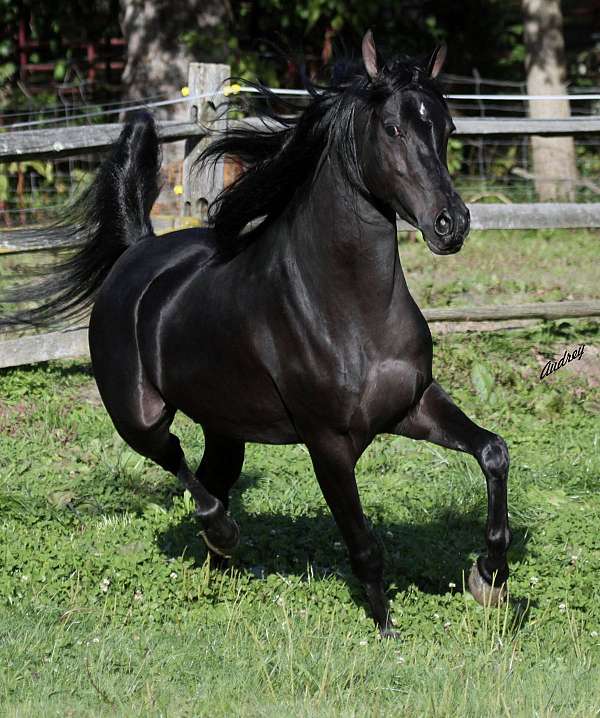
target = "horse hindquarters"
x: 142, y: 417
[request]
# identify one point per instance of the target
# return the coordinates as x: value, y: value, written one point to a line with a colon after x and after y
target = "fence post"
x: 201, y: 188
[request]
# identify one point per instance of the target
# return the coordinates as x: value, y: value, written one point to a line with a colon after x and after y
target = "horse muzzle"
x: 449, y: 230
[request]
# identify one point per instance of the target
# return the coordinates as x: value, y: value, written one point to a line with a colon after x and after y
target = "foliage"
x: 455, y: 155
x: 75, y: 21
x: 483, y: 35
x: 44, y: 169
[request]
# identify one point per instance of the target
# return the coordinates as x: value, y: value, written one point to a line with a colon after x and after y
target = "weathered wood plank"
x: 201, y: 188
x: 540, y: 215
x: 74, y: 343
x: 54, y: 143
x: 542, y: 310
x: 43, y: 347
x: 59, y: 142
x: 476, y: 126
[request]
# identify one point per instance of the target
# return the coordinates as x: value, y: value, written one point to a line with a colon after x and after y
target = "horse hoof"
x: 481, y: 590
x: 390, y: 633
x: 224, y: 538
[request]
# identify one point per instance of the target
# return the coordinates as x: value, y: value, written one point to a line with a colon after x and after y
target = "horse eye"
x: 392, y: 130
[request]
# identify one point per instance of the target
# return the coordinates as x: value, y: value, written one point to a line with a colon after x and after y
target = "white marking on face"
x: 422, y: 110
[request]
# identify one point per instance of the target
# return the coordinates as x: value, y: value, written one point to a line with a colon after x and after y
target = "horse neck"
x: 346, y: 245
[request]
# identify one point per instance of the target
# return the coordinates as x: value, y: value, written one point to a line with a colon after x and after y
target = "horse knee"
x: 494, y: 458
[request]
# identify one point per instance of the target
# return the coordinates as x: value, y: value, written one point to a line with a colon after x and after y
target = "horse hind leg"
x: 144, y: 422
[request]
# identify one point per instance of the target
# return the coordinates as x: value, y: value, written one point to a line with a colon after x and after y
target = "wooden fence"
x: 200, y: 189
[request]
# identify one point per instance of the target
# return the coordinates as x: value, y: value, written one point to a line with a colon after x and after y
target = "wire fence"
x: 498, y: 168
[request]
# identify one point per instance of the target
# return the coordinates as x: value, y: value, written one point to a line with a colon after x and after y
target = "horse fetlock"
x: 367, y: 562
x: 380, y: 607
x: 209, y: 514
x: 498, y: 540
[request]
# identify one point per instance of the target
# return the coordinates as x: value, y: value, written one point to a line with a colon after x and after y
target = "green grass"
x: 506, y: 267
x: 108, y: 607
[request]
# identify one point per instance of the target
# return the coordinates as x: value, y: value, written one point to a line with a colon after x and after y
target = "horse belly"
x: 212, y: 374
x: 235, y: 401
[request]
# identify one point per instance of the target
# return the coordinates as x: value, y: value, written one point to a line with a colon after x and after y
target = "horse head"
x: 403, y: 146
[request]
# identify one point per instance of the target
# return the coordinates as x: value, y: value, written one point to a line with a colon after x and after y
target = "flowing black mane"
x: 278, y: 162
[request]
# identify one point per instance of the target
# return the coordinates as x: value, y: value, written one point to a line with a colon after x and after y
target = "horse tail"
x: 110, y: 216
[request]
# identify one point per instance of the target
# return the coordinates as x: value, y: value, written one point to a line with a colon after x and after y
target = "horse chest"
x: 357, y: 386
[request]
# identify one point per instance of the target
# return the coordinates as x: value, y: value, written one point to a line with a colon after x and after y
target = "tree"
x: 158, y: 59
x: 554, y: 164
x: 157, y: 56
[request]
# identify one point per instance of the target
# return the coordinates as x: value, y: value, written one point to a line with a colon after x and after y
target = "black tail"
x: 112, y: 214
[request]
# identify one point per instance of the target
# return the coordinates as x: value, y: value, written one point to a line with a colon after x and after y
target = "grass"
x: 108, y: 606
x: 506, y: 267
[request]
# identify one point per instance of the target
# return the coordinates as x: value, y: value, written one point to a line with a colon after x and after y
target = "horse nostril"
x: 443, y: 223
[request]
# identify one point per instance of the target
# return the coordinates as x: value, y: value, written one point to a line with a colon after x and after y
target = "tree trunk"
x: 554, y: 164
x: 157, y: 59
x: 157, y: 64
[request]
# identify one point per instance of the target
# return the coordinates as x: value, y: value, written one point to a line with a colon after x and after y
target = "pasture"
x: 108, y: 606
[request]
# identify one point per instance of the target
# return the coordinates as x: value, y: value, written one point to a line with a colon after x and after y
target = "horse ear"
x: 436, y: 61
x: 369, y: 54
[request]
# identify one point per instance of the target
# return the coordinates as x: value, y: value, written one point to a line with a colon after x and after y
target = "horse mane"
x: 277, y: 162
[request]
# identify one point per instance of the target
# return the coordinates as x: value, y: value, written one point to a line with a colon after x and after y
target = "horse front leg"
x: 334, y: 458
x: 437, y: 419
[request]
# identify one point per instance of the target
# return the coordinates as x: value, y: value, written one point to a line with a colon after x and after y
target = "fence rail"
x: 543, y: 215
x: 62, y: 142
x: 69, y: 141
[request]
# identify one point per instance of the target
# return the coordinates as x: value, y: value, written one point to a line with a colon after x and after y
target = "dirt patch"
x: 11, y: 415
x: 88, y: 394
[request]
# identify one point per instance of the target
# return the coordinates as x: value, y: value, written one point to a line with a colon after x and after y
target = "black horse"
x: 298, y: 329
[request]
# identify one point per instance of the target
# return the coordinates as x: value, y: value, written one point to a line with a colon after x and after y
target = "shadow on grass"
x: 64, y: 368
x: 428, y: 555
